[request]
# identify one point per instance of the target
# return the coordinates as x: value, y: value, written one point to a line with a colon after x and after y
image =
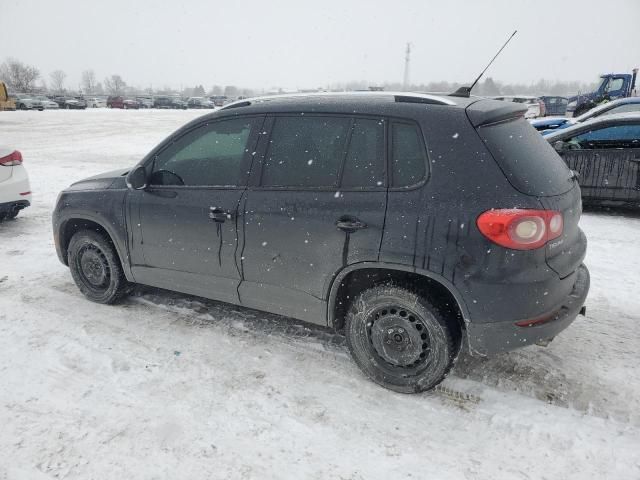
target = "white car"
x: 15, y: 191
x: 47, y: 103
x: 96, y: 102
x: 535, y: 106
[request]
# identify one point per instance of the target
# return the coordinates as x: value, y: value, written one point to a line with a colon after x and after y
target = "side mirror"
x: 137, y: 178
x: 559, y: 146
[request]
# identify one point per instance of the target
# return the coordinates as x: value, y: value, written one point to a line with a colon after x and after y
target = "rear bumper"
x: 11, y: 206
x: 499, y: 337
x: 16, y: 188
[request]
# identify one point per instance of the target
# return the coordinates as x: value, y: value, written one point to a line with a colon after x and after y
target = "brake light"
x: 12, y: 159
x: 520, y: 229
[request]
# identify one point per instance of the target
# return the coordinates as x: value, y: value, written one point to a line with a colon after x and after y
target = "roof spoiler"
x: 486, y: 112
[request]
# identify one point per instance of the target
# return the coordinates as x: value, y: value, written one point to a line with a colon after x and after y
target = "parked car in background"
x: 219, y: 100
x: 554, y: 105
x: 145, y: 102
x: 122, y: 102
x: 47, y: 103
x: 622, y: 105
x: 96, y: 102
x: 15, y: 191
x: 28, y: 102
x: 328, y: 208
x: 166, y: 101
x: 535, y: 106
x: 605, y: 153
x: 70, y: 103
x: 199, y: 102
x: 6, y: 102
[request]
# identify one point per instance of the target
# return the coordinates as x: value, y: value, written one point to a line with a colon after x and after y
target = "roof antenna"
x: 466, y: 91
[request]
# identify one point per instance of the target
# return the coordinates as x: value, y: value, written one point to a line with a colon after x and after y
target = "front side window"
x: 614, y: 85
x: 618, y: 136
x: 210, y: 155
x: 408, y: 156
x: 305, y: 151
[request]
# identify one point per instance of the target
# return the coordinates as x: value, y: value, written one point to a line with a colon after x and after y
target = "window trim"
x: 263, y: 148
x: 247, y: 162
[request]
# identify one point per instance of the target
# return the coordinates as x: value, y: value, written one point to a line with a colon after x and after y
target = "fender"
x: 337, y: 280
x: 119, y: 240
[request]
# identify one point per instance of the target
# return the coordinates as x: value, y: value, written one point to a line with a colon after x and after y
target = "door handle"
x: 350, y: 224
x: 219, y: 215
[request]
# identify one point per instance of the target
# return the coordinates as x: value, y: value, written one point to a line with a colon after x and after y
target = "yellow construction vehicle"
x: 6, y: 103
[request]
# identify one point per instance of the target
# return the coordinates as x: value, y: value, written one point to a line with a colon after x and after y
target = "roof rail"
x: 398, y: 97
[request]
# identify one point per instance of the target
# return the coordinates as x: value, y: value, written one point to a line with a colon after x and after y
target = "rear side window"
x: 529, y: 162
x: 408, y: 155
x: 618, y: 136
x: 305, y: 151
x: 364, y: 164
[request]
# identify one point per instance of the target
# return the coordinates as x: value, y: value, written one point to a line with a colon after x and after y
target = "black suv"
x: 408, y: 221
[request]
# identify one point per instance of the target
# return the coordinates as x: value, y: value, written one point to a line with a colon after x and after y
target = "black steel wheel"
x: 399, y: 339
x: 96, y: 268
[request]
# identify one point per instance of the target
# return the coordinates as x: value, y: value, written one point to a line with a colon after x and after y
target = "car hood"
x: 101, y: 181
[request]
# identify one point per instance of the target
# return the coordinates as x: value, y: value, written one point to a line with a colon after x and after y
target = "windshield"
x: 594, y: 112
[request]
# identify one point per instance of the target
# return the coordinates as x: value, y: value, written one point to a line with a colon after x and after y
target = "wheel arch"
x: 77, y: 222
x: 356, y: 278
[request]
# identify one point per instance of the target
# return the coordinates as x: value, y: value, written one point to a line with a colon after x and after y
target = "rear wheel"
x: 399, y: 339
x: 96, y: 268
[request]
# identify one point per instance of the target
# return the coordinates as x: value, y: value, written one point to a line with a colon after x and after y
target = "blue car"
x: 548, y: 125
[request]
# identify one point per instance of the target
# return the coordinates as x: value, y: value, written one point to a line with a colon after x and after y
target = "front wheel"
x: 96, y: 268
x: 398, y: 339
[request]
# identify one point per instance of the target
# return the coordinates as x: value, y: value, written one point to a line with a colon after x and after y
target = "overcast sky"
x: 304, y: 44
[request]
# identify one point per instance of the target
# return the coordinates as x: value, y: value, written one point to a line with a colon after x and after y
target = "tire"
x: 96, y: 268
x: 399, y: 339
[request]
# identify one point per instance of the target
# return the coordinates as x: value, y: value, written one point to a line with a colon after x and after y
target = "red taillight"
x: 520, y: 229
x: 12, y: 159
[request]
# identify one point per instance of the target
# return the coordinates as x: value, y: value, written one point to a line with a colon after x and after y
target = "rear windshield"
x: 529, y: 162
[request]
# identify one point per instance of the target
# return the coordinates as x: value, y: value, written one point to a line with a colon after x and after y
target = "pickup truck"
x: 611, y: 87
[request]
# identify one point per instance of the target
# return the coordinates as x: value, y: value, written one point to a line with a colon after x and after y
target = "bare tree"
x: 18, y: 76
x: 57, y: 78
x: 114, y: 85
x: 88, y: 81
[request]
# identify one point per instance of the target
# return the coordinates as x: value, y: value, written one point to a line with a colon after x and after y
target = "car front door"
x: 607, y: 159
x: 315, y: 205
x: 184, y: 225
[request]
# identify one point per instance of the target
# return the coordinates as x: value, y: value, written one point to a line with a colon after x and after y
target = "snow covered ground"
x: 167, y: 386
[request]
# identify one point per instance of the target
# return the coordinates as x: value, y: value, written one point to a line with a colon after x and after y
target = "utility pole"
x: 407, y: 59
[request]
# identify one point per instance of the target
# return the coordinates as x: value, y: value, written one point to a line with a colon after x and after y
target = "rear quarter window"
x: 408, y: 155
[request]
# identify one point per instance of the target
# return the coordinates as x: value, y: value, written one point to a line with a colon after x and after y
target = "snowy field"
x: 167, y: 386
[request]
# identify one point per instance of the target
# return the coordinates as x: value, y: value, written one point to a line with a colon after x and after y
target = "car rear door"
x: 184, y: 225
x: 607, y: 159
x: 315, y: 205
